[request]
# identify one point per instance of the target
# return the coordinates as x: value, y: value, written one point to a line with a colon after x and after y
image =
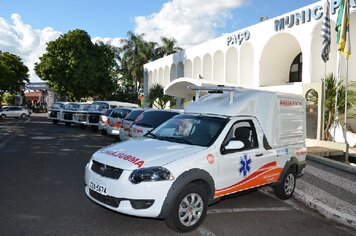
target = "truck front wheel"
x: 285, y: 188
x: 189, y: 209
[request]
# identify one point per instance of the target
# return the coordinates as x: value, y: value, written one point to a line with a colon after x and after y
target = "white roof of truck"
x: 281, y: 115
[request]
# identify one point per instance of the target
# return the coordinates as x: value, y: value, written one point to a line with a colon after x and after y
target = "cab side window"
x: 243, y: 131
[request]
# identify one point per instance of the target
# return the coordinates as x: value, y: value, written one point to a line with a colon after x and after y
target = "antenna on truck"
x: 213, y: 89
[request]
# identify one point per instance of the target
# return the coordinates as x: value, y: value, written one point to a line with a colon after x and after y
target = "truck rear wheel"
x: 189, y: 209
x: 285, y: 188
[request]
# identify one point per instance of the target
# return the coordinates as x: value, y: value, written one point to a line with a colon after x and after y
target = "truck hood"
x: 145, y: 152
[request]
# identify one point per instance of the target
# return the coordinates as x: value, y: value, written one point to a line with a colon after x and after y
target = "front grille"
x: 108, y: 200
x: 53, y: 114
x: 82, y: 117
x: 105, y: 170
x: 93, y: 118
x: 68, y: 116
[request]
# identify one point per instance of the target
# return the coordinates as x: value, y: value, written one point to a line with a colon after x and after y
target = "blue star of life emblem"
x: 245, y: 165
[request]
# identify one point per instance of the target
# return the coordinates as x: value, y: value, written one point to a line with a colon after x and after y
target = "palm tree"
x: 333, y: 86
x: 136, y: 52
x: 158, y: 98
x: 168, y: 47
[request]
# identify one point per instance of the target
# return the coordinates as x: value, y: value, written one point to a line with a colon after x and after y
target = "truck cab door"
x: 243, y: 162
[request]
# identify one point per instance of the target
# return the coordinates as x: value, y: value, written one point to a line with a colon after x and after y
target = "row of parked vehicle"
x: 120, y: 119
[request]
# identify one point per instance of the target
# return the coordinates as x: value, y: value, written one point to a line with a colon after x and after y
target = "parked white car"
x: 80, y: 115
x: 54, y: 113
x: 68, y: 111
x: 149, y: 120
x: 223, y: 143
x: 115, y: 121
x: 127, y: 123
x: 104, y: 121
x: 14, y: 111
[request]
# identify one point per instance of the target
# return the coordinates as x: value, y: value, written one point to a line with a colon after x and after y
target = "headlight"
x: 156, y: 173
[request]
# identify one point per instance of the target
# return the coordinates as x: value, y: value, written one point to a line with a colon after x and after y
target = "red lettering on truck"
x: 127, y: 157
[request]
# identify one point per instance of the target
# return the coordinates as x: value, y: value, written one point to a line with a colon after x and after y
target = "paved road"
x: 42, y: 193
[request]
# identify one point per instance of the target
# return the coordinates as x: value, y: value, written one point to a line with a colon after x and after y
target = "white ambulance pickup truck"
x: 227, y: 141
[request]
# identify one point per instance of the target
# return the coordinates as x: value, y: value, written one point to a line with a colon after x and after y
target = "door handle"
x: 259, y: 154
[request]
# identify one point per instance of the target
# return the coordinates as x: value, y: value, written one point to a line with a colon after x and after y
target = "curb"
x: 335, y: 164
x: 325, y: 210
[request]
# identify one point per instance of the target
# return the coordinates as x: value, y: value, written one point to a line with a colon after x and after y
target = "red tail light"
x: 104, y: 120
x: 116, y: 125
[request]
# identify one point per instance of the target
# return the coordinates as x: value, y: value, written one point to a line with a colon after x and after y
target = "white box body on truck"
x: 225, y: 142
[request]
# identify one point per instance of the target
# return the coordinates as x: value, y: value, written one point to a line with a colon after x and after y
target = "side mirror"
x: 234, y: 144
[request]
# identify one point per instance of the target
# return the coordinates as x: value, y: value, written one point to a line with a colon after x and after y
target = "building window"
x: 296, y: 69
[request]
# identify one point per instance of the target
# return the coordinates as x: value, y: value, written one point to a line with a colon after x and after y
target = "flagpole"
x: 336, y: 116
x: 345, y: 117
x: 323, y: 104
x: 344, y: 47
x: 325, y: 50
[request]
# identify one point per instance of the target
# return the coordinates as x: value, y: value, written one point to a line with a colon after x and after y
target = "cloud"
x: 189, y: 22
x: 24, y: 41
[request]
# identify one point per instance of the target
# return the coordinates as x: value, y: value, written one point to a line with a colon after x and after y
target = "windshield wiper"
x: 175, y: 139
x: 152, y: 135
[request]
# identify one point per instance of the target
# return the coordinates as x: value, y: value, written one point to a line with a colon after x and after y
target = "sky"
x: 27, y: 25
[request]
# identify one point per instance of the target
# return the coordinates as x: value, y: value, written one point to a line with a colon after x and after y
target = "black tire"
x: 3, y: 116
x: 23, y: 116
x: 82, y: 126
x: 68, y: 124
x: 285, y: 188
x: 103, y: 132
x: 183, y: 217
x: 117, y: 138
x: 94, y: 128
x: 55, y: 122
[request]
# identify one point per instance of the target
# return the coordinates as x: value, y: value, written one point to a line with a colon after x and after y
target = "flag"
x: 325, y: 33
x: 343, y: 29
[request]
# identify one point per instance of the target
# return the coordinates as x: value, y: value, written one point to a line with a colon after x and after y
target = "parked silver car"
x: 14, y: 111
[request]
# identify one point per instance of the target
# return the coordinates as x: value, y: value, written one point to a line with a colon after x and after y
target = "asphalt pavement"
x: 329, y: 187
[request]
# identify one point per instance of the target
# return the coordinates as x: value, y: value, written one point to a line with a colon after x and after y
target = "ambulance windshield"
x: 190, y: 129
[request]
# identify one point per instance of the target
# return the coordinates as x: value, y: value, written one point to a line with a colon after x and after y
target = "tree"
x: 333, y: 86
x: 9, y: 98
x: 168, y: 47
x: 107, y: 71
x: 158, y: 98
x: 125, y: 91
x: 135, y: 52
x: 75, y: 67
x: 13, y: 73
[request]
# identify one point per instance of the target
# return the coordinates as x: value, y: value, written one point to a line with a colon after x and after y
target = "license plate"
x: 97, y: 187
x: 114, y: 131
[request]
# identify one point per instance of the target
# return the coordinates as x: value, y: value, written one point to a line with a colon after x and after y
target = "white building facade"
x: 282, y: 53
